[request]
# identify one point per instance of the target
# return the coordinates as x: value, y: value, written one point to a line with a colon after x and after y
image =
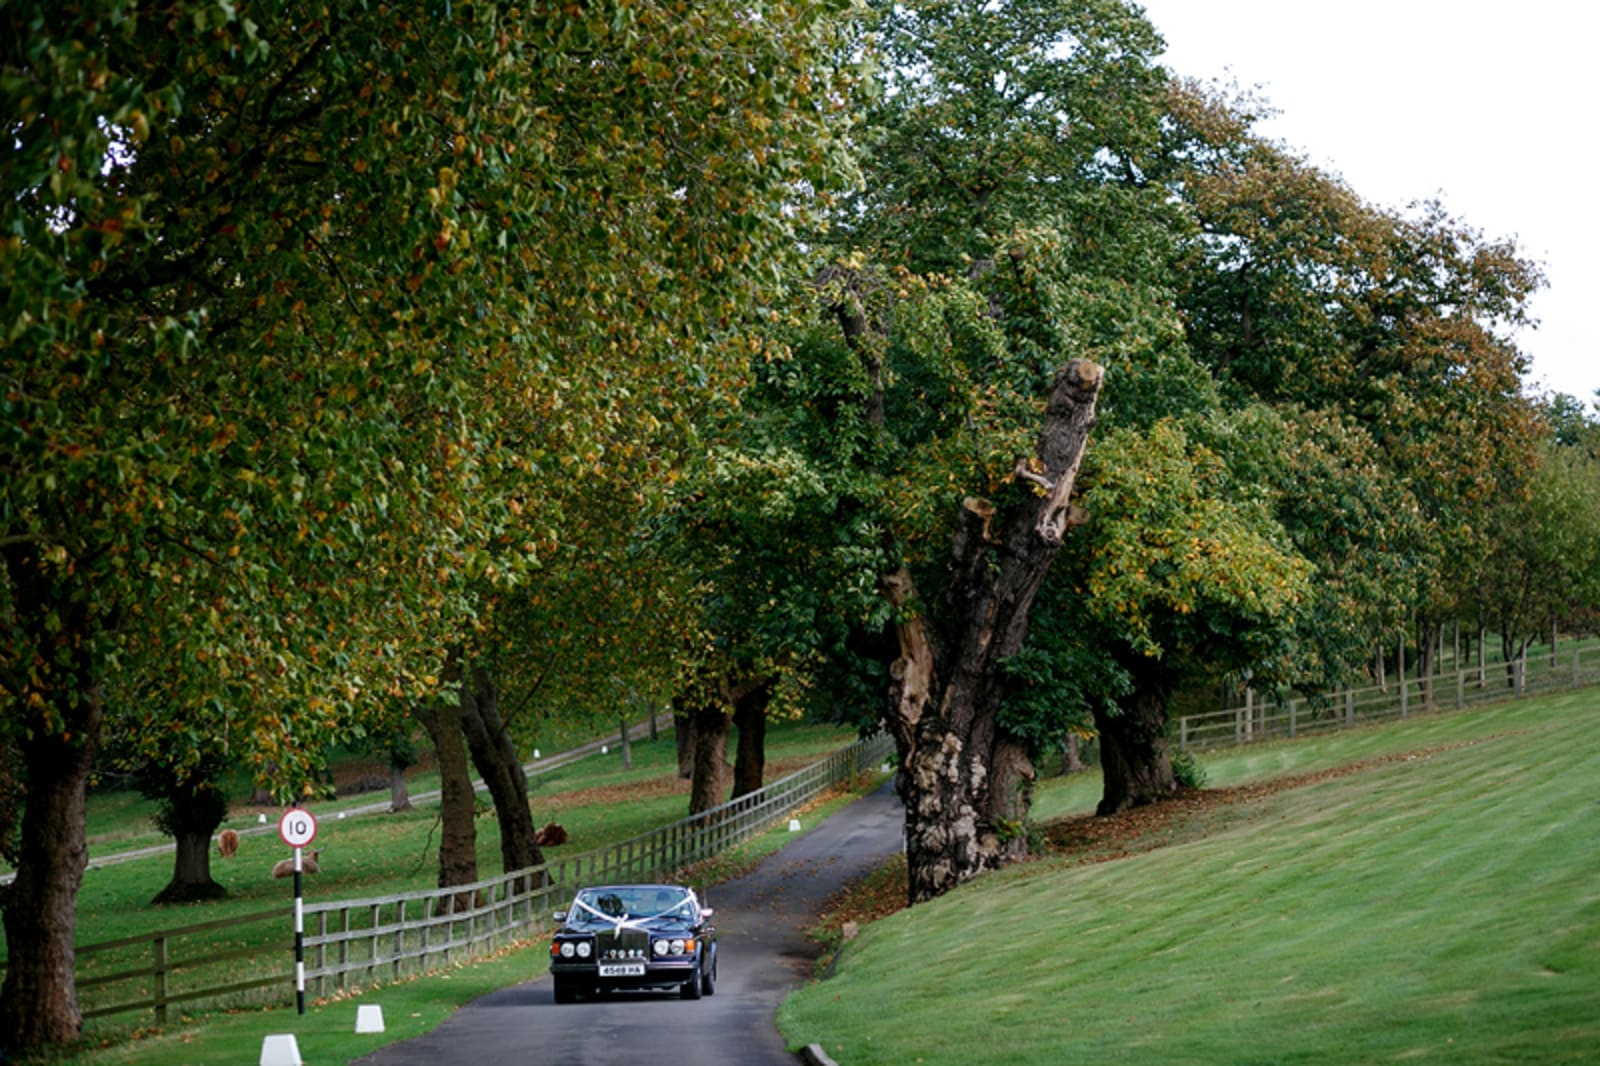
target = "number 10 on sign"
x: 298, y: 828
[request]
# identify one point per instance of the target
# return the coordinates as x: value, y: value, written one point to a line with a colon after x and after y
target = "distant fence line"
x: 355, y: 943
x: 1285, y: 717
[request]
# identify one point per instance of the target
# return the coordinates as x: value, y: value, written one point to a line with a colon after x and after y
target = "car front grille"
x: 623, y: 944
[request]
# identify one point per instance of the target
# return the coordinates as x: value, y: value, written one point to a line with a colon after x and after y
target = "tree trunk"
x: 966, y: 782
x: 39, y: 997
x: 1429, y: 635
x: 458, y: 836
x: 260, y: 794
x: 1134, y: 758
x: 709, y: 783
x: 39, y: 1004
x: 626, y: 741
x: 683, y: 738
x: 1071, y: 754
x: 399, y: 794
x: 1511, y: 650
x: 191, y: 872
x: 495, y: 756
x: 192, y: 806
x: 750, y: 716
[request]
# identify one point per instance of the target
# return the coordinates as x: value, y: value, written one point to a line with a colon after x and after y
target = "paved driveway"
x: 763, y: 954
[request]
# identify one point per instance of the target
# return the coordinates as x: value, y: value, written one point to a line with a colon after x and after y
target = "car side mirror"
x: 706, y: 912
x: 560, y: 916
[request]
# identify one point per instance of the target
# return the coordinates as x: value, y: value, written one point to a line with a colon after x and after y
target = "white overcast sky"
x: 1490, y: 106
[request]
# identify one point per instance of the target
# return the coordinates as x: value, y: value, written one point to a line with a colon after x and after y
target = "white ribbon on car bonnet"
x: 623, y: 922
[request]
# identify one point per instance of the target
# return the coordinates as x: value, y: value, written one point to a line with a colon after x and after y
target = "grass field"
x: 596, y: 799
x: 1425, y: 891
x: 326, y: 1033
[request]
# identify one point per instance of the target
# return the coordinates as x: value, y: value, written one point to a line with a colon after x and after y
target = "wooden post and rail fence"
x: 1286, y: 716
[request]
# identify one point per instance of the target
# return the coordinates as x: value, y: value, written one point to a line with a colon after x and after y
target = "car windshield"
x: 638, y: 901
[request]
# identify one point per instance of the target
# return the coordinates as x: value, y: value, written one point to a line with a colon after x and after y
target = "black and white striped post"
x: 298, y: 828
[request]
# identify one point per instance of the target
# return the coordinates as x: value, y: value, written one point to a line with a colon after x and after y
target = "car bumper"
x: 657, y: 974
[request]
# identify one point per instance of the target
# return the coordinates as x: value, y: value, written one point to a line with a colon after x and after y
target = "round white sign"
x: 297, y: 827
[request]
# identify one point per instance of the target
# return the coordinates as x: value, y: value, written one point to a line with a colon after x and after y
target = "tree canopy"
x: 317, y: 318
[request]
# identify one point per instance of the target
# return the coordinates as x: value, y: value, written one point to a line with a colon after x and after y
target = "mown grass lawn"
x: 1425, y: 891
x: 597, y: 799
x: 326, y: 1032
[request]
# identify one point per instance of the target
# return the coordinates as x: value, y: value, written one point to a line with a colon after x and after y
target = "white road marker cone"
x: 280, y: 1049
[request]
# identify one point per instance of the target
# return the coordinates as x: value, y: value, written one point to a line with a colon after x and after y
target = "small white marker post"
x: 298, y: 828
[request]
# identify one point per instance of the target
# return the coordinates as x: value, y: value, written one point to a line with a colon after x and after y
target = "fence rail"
x: 354, y: 943
x: 1287, y: 717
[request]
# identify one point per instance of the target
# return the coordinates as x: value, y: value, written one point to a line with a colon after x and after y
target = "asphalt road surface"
x: 763, y: 953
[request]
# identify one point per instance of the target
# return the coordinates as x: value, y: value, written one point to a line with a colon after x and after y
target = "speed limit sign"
x: 297, y: 827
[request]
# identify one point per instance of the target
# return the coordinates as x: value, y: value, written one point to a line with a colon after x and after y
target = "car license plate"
x: 622, y: 969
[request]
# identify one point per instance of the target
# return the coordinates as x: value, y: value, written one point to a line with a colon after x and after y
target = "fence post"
x: 1291, y: 720
x: 400, y: 934
x: 158, y: 949
x: 344, y: 948
x: 1349, y: 707
x: 322, y: 953
x: 1402, y: 673
x: 374, y: 916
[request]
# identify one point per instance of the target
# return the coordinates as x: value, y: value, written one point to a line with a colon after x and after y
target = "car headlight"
x: 567, y: 950
x: 661, y: 947
x: 585, y: 949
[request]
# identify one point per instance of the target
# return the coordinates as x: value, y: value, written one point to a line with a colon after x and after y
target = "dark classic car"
x: 625, y: 937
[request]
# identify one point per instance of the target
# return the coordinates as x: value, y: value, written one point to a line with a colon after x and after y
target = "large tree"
x: 747, y: 531
x: 1542, y: 566
x: 1400, y: 326
x: 1183, y: 573
x: 994, y: 270
x: 220, y: 460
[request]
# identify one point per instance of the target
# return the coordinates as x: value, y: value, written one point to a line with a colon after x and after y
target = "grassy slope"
x: 1429, y: 891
